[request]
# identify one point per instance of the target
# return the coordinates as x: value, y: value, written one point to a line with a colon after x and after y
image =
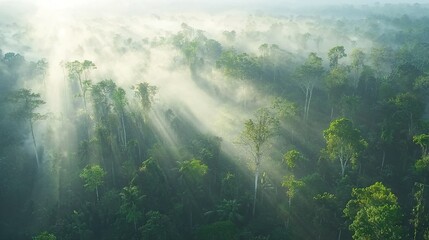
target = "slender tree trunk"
x: 309, y: 102
x: 96, y: 192
x: 123, y: 129
x: 34, y: 143
x: 343, y: 166
x: 256, y: 187
x: 306, y: 102
x: 383, y: 159
x: 113, y: 172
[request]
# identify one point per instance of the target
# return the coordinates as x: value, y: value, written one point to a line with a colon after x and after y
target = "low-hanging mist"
x: 213, y: 120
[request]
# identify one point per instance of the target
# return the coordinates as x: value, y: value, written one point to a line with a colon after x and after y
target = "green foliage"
x: 423, y: 141
x: 312, y: 69
x: 422, y: 83
x: 93, y: 176
x: 79, y: 70
x: 337, y: 79
x: 422, y: 164
x: 292, y: 158
x: 343, y: 142
x: 158, y: 227
x: 335, y: 54
x: 283, y: 108
x: 374, y: 213
x: 292, y: 185
x: 382, y: 91
x: 193, y: 170
x: 45, y: 236
x: 218, y: 231
x: 26, y: 103
x: 259, y: 130
x: 238, y: 65
x: 145, y: 94
x: 419, y: 219
x: 227, y: 210
x: 131, y: 198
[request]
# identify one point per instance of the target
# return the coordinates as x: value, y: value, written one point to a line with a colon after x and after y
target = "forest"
x: 243, y: 125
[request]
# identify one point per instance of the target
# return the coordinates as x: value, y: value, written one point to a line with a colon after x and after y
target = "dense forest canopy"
x: 300, y: 122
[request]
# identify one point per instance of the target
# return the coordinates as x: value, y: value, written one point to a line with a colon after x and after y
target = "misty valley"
x: 300, y: 123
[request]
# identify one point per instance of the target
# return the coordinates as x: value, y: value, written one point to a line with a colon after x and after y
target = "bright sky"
x: 126, y: 5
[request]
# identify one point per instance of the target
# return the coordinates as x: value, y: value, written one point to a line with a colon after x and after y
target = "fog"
x: 129, y: 43
x: 211, y: 66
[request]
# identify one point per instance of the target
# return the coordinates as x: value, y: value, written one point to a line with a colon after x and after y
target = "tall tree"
x: 419, y: 218
x: 357, y: 65
x: 375, y: 213
x: 256, y: 134
x: 191, y: 178
x: 79, y: 71
x: 335, y: 54
x: 343, y: 142
x: 93, y: 177
x: 119, y: 102
x: 131, y: 199
x: 145, y: 94
x: 27, y: 103
x: 309, y: 74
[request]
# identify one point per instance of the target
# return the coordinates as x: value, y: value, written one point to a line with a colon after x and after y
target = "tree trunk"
x: 34, y: 143
x: 382, y: 160
x: 308, y: 103
x: 123, y: 129
x: 256, y: 189
x: 96, y: 192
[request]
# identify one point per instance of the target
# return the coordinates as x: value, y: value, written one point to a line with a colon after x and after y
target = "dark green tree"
x: 131, y: 199
x: 45, y: 236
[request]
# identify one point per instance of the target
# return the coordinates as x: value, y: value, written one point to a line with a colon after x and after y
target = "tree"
x: 255, y: 136
x: 343, y: 143
x: 374, y: 213
x: 93, y: 177
x: 335, y: 54
x: 79, y: 71
x: 192, y: 170
x: 309, y: 74
x: 292, y: 186
x: 158, y: 227
x: 419, y: 219
x: 45, y: 236
x: 191, y: 177
x: 422, y: 165
x: 292, y: 158
x: 227, y: 210
x: 119, y: 102
x: 423, y: 141
x: 145, y: 94
x: 357, y: 65
x: 337, y: 81
x: 131, y: 198
x: 27, y: 103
